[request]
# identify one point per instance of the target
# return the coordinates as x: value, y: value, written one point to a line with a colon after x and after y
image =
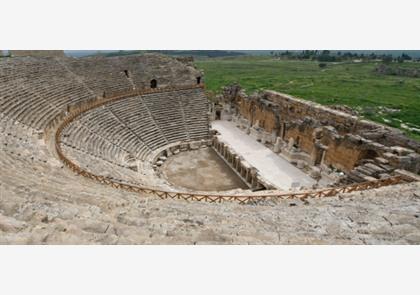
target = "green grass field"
x: 353, y: 84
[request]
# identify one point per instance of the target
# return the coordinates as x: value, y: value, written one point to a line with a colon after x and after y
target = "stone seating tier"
x: 136, y: 126
x: 35, y: 90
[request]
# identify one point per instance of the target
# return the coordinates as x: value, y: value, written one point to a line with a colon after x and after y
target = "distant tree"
x: 325, y: 56
x: 405, y: 56
x: 285, y: 53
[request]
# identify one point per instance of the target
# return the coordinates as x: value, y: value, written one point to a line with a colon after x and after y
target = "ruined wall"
x: 341, y: 157
x: 315, y: 130
x: 268, y: 104
x: 260, y: 112
x: 266, y: 118
x: 244, y: 108
x: 303, y: 137
x: 291, y: 108
x: 342, y: 154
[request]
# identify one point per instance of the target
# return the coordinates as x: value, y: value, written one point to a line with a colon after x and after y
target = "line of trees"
x: 328, y: 56
x: 201, y: 53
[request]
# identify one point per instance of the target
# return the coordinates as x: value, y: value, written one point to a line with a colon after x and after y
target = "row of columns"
x: 248, y: 174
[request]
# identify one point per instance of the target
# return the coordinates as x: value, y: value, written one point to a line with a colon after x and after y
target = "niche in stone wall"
x: 297, y: 142
x: 198, y: 80
x: 368, y: 154
x: 153, y: 83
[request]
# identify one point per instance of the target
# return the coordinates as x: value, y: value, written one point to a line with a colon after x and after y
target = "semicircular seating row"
x: 39, y: 198
x: 33, y: 91
x: 131, y: 129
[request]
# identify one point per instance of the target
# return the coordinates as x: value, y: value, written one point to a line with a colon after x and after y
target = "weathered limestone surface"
x: 383, y: 216
x: 42, y: 202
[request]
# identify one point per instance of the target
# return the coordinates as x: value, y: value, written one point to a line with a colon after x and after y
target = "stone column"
x: 277, y: 145
x: 237, y: 163
x: 282, y: 130
x: 248, y: 175
x: 273, y: 136
x: 291, y: 143
x: 257, y: 124
x: 243, y: 171
x: 314, y: 153
x: 318, y: 153
x: 254, y: 178
x: 232, y: 159
x: 324, y: 153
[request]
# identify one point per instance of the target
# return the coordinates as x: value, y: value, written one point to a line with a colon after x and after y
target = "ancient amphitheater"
x: 128, y: 150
